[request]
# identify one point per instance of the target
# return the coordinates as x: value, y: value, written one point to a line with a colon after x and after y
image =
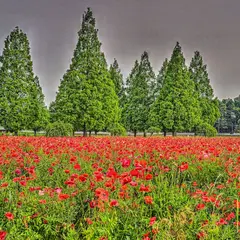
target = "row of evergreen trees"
x: 93, y: 98
x: 177, y: 99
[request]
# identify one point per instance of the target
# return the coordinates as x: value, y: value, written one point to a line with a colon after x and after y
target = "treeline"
x: 229, y: 121
x: 93, y: 97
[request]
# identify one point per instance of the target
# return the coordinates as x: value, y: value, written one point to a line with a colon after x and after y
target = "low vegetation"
x: 119, y: 188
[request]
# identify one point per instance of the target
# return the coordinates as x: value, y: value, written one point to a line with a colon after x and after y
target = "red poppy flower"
x: 148, y: 177
x: 125, y: 163
x: 42, y: 201
x: 221, y: 222
x: 18, y: 171
x: 63, y: 196
x: 23, y: 183
x: 9, y: 216
x: 148, y: 200
x: 102, y: 194
x: 230, y: 216
x: 200, y: 206
x: 89, y: 221
x: 183, y: 166
x: 4, y: 184
x: 201, y: 235
x: 83, y: 177
x: 77, y: 167
x: 152, y: 221
x: 114, y: 203
x: 3, y: 235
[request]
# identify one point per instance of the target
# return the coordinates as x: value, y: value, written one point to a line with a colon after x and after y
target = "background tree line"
x: 229, y: 121
x: 92, y: 97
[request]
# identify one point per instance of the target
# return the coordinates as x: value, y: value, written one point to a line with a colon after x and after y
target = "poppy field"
x: 119, y: 188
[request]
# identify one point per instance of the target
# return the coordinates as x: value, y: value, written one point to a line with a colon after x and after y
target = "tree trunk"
x: 16, y: 133
x: 144, y: 134
x: 90, y: 133
x: 84, y: 131
x: 135, y: 133
x: 35, y: 133
x: 96, y: 132
x: 195, y: 131
x: 164, y: 133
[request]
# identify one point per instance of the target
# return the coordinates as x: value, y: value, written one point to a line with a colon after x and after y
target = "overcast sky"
x: 126, y: 29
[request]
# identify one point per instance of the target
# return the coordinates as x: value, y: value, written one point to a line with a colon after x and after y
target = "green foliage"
x: 117, y: 77
x: 117, y: 130
x: 206, y: 130
x: 208, y: 104
x: 160, y: 79
x: 16, y: 82
x: 177, y: 107
x: 86, y: 97
x: 59, y: 129
x: 140, y: 95
x: 40, y: 114
x: 229, y: 120
x: 153, y: 130
x: 64, y: 188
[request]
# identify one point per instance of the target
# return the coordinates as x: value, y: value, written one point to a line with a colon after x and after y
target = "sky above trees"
x: 126, y: 29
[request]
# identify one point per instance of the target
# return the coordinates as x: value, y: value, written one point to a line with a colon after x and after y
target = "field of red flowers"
x: 119, y: 188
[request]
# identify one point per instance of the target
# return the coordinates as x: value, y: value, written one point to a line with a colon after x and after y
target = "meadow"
x: 119, y: 188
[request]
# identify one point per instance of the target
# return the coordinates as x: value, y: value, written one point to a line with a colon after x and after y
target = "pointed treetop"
x: 177, y: 47
x: 177, y: 59
x: 144, y: 55
x: 197, y: 62
x: 88, y: 17
x: 199, y: 74
x: 117, y: 77
x: 161, y: 77
x: 115, y: 63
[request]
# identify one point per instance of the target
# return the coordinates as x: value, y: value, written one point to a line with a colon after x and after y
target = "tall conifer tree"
x: 16, y: 83
x: 86, y: 96
x: 139, y: 95
x: 176, y: 108
x: 208, y: 104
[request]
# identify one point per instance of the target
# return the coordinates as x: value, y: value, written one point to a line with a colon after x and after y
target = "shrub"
x: 206, y: 130
x: 153, y: 130
x: 24, y: 134
x: 117, y: 130
x: 59, y: 129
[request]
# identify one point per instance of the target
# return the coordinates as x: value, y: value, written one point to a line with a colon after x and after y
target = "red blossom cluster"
x: 121, y: 174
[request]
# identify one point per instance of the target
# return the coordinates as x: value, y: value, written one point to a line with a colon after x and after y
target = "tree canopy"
x: 140, y: 86
x: 21, y: 98
x: 176, y: 108
x: 86, y: 97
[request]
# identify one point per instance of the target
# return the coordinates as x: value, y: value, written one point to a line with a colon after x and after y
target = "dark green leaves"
x: 21, y: 98
x: 86, y: 97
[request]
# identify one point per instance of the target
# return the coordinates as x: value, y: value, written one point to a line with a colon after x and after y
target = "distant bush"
x: 206, y: 130
x: 153, y: 130
x: 59, y: 129
x: 117, y: 130
x: 25, y: 134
